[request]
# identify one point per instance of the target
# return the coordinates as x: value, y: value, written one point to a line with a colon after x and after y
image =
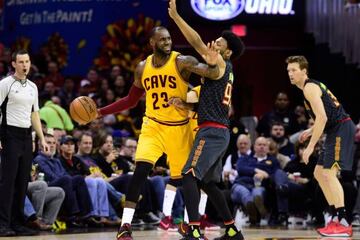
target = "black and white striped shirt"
x: 22, y: 101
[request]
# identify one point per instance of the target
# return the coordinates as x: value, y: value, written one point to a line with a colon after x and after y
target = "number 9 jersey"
x: 160, y: 84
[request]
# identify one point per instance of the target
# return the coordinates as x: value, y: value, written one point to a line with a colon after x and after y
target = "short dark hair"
x: 18, y: 52
x: 235, y: 44
x: 85, y: 133
x: 301, y: 60
x: 277, y: 123
x: 156, y: 29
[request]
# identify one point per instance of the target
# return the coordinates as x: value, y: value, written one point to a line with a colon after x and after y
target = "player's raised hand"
x: 212, y: 54
x: 172, y: 9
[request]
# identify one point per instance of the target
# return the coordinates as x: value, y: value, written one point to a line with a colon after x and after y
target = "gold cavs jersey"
x: 160, y: 84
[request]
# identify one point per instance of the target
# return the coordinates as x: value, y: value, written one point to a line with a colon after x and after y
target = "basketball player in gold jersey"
x: 165, y: 128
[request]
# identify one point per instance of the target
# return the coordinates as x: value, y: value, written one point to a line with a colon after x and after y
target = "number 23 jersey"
x: 160, y: 84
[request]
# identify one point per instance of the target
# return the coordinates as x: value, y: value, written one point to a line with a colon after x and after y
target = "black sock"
x: 333, y: 211
x: 191, y: 197
x: 341, y: 212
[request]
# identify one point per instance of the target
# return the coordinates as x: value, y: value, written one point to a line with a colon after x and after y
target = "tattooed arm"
x: 191, y: 64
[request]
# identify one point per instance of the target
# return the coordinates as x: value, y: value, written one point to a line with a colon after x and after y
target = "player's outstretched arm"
x: 133, y: 97
x: 189, y: 33
x: 191, y: 64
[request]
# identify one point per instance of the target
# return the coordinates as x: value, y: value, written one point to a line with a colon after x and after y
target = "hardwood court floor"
x: 250, y: 234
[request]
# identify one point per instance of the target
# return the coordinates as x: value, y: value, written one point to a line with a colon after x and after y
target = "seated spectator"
x: 53, y: 75
x: 230, y: 173
x: 115, y: 72
x: 106, y: 158
x: 48, y: 91
x: 96, y: 186
x: 97, y: 129
x: 120, y: 87
x: 55, y: 116
x: 85, y: 145
x: 253, y: 170
x: 301, y: 117
x: 67, y: 93
x: 236, y: 128
x: 294, y: 138
x: 281, y: 113
x: 274, y: 151
x: 85, y: 88
x: 90, y: 83
x: 77, y: 202
x: 45, y: 203
x: 277, y: 133
x: 294, y: 186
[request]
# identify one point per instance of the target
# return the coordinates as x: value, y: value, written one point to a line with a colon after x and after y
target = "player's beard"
x: 160, y: 52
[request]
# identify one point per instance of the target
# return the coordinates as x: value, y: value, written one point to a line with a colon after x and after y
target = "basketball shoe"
x: 193, y: 233
x: 124, y: 232
x: 330, y: 224
x: 231, y: 233
x: 337, y: 230
x: 167, y: 224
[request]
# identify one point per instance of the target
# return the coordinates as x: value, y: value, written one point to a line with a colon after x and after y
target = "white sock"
x: 186, y: 216
x: 169, y: 197
x: 127, y: 216
x: 202, y: 204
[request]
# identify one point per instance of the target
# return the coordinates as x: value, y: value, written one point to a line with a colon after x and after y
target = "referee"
x: 19, y: 111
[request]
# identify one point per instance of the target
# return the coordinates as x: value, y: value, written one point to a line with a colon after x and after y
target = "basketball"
x: 83, y: 110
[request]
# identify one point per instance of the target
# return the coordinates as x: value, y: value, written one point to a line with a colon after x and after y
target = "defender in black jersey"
x: 331, y: 119
x: 204, y: 165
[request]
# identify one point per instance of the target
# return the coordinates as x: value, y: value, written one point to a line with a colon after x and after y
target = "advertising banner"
x: 80, y: 33
x: 252, y: 12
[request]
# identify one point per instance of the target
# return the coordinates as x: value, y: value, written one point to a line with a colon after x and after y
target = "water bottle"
x: 257, y: 182
x: 41, y: 176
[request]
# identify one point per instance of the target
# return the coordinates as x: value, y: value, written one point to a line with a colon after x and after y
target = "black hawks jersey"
x: 215, y: 98
x: 334, y: 110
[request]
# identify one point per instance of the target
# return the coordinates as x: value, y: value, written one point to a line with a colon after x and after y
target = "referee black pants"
x: 15, y: 167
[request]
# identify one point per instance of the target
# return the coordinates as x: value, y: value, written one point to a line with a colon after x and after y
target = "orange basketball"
x: 83, y: 110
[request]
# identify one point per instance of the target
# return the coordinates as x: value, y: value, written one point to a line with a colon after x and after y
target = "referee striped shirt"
x: 22, y: 101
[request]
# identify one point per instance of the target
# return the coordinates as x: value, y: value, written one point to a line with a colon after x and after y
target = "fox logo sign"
x: 226, y: 9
